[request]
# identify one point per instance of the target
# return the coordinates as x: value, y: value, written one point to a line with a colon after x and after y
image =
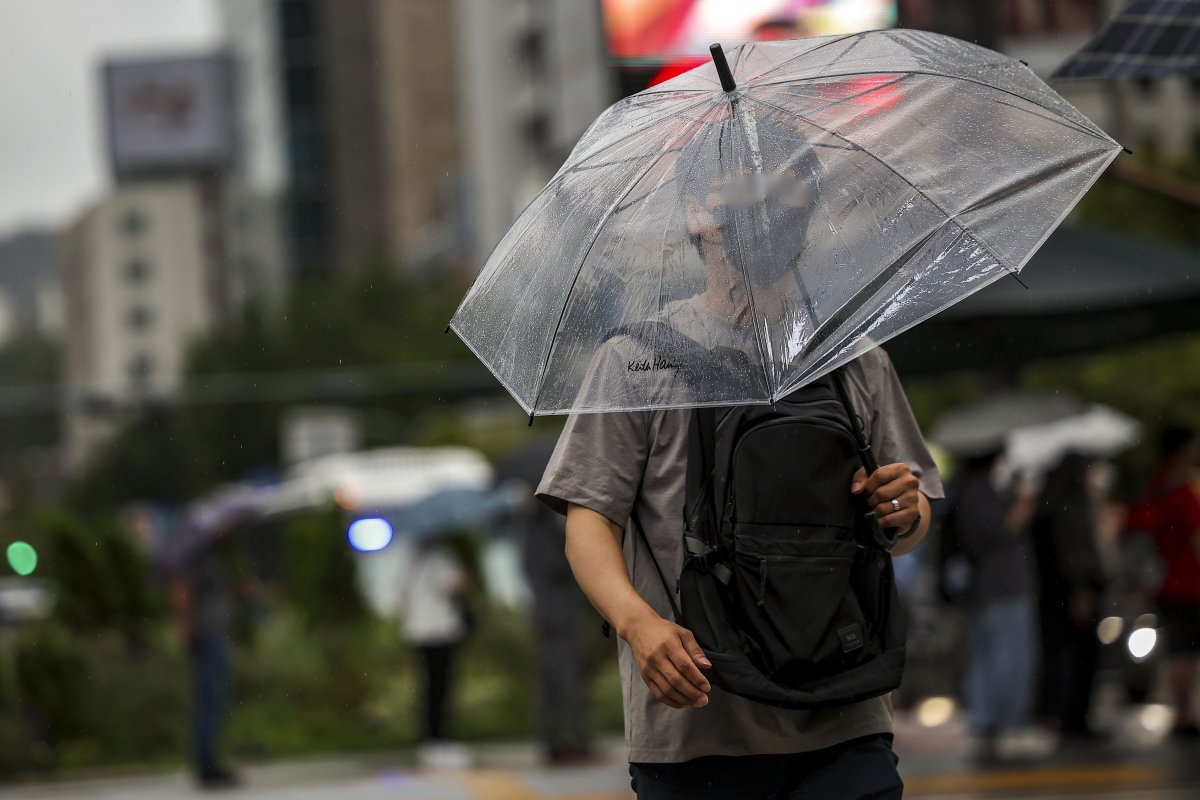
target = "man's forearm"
x: 594, y: 553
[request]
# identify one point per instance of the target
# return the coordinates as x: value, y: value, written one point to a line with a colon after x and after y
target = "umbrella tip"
x: 530, y: 419
x: 718, y: 56
x: 1127, y: 151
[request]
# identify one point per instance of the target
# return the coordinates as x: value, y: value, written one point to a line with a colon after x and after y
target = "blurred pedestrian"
x: 1175, y: 495
x: 203, y: 599
x: 432, y: 605
x: 558, y: 614
x: 991, y: 518
x: 1071, y: 584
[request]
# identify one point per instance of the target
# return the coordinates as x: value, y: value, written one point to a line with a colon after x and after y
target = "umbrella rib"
x: 1069, y: 123
x: 798, y: 56
x: 604, y: 218
x: 762, y: 351
x: 624, y: 137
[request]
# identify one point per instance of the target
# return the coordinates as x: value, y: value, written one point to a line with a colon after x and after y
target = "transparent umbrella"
x: 744, y: 228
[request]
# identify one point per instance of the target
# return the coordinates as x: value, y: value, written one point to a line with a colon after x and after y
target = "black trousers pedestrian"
x: 861, y: 769
x: 1070, y: 659
x: 439, y: 665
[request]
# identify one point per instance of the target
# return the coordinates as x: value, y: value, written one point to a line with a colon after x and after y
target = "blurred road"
x: 936, y: 763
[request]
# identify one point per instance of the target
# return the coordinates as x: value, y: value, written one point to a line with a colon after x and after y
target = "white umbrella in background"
x: 1099, y: 431
x: 984, y: 427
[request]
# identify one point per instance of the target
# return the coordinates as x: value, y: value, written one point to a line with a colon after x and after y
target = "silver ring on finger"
x: 895, y: 504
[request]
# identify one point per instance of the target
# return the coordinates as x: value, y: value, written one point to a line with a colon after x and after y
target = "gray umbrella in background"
x: 859, y: 185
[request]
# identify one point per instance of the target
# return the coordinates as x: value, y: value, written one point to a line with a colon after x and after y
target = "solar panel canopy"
x: 1147, y: 39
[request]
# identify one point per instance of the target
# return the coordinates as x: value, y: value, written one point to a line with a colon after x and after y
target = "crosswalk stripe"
x: 501, y: 785
x: 1074, y: 777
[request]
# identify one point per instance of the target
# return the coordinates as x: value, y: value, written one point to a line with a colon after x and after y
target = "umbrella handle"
x: 884, y: 539
x: 718, y: 57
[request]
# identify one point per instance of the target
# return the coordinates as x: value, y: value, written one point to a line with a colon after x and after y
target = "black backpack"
x: 787, y: 582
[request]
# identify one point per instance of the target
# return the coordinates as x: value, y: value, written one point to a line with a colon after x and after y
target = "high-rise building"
x: 416, y: 130
x: 534, y: 76
x: 30, y: 294
x: 253, y: 209
x: 137, y: 287
x: 368, y: 101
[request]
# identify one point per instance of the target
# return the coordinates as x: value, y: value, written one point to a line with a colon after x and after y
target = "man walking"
x: 687, y: 738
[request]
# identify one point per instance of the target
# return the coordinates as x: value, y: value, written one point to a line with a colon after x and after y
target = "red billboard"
x: 674, y: 30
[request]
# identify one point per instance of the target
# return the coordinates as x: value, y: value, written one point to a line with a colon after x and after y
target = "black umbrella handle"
x: 884, y: 539
x: 718, y: 57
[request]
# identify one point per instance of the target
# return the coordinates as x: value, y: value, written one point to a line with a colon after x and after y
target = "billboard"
x: 169, y: 115
x: 670, y: 30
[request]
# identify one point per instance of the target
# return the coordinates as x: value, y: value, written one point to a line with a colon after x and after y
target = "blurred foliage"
x: 1156, y: 382
x: 98, y: 578
x: 1119, y: 205
x: 319, y: 573
x: 373, y: 321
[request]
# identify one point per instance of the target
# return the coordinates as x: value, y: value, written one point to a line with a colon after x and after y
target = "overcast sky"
x: 52, y: 147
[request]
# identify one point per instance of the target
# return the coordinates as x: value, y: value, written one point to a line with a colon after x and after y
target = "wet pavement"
x: 1134, y: 763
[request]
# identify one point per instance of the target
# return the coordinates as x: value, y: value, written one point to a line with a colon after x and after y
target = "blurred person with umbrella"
x: 435, y: 618
x: 558, y: 613
x: 203, y: 597
x: 1171, y: 512
x: 1071, y: 585
x: 989, y: 516
x: 785, y: 225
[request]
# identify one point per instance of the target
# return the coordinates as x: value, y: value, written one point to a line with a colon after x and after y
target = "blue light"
x: 369, y: 535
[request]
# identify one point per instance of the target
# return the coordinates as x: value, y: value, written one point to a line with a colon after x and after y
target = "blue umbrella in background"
x: 440, y: 513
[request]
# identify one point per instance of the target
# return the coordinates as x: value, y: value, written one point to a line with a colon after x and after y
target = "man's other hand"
x: 670, y: 661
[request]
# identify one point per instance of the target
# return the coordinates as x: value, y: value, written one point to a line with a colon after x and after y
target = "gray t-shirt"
x: 609, y: 462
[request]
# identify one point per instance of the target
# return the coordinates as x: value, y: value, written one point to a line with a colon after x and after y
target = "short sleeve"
x: 600, y: 457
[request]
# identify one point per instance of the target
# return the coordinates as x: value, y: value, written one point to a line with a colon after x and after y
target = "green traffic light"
x: 22, y: 558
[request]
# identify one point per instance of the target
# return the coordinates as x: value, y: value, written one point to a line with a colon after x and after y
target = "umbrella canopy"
x: 843, y: 190
x: 1147, y: 39
x: 214, y: 516
x: 984, y: 428
x: 1099, y: 431
x: 454, y: 509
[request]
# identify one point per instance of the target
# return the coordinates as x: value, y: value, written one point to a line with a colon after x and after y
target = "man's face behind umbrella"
x: 756, y: 222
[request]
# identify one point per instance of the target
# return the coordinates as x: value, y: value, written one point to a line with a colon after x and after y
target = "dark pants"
x: 562, y: 709
x: 1070, y: 658
x: 861, y: 769
x: 210, y: 683
x: 439, y: 664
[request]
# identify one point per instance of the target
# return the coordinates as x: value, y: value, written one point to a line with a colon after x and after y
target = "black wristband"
x: 911, y: 529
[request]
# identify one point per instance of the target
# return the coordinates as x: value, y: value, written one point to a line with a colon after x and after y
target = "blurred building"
x: 1163, y: 115
x: 534, y: 77
x: 415, y: 131
x: 136, y: 284
x: 363, y: 95
x: 253, y: 210
x: 30, y: 296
